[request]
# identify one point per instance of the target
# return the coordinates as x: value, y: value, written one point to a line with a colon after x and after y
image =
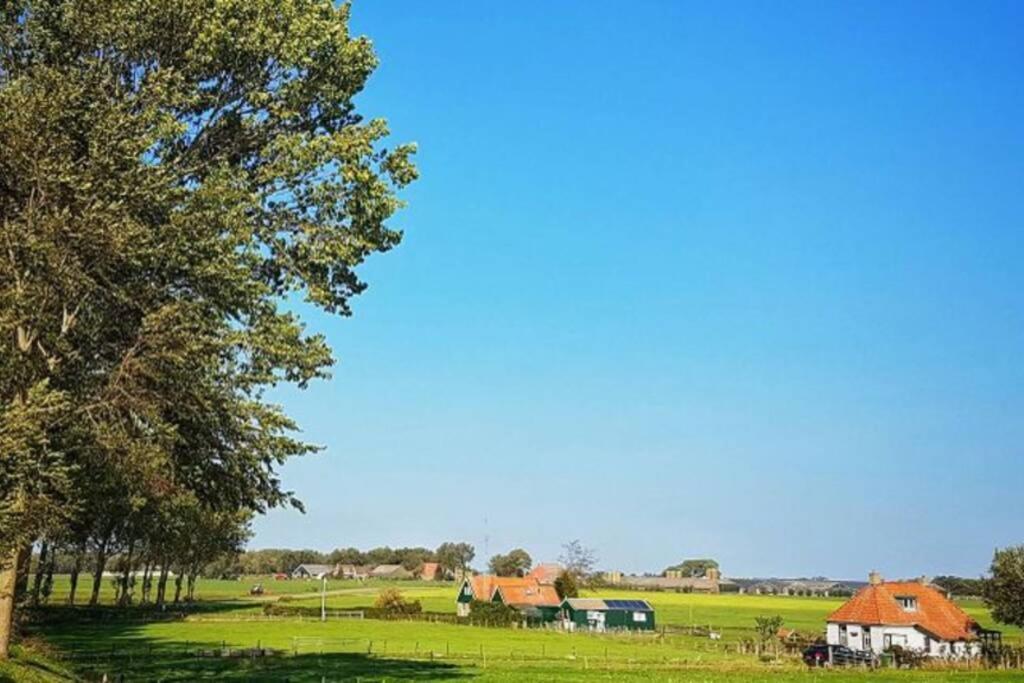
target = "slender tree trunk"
x: 37, y: 581
x: 177, y: 587
x: 147, y: 569
x: 125, y: 596
x: 97, y: 573
x: 191, y: 586
x: 8, y: 594
x: 161, y: 585
x: 51, y: 567
x: 75, y: 568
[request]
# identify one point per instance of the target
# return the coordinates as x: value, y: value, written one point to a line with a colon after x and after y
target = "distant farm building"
x: 612, y: 577
x: 909, y: 614
x: 808, y: 587
x: 312, y: 571
x: 390, y: 571
x: 673, y: 580
x: 593, y: 614
x: 352, y: 571
x: 545, y: 573
x: 431, y: 571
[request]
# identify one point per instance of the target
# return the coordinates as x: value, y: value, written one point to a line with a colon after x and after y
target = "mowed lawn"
x: 374, y: 650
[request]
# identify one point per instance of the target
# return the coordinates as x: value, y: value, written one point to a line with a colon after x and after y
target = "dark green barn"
x: 595, y: 614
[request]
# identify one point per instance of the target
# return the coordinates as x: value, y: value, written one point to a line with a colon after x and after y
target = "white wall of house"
x: 879, y: 638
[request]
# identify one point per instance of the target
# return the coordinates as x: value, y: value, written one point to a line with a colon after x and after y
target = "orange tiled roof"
x: 534, y: 595
x: 430, y: 570
x: 483, y: 585
x: 876, y: 605
x: 546, y: 573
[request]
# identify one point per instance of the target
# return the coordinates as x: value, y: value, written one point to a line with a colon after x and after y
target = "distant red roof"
x: 484, y: 585
x: 876, y: 605
x: 546, y: 573
x: 429, y: 571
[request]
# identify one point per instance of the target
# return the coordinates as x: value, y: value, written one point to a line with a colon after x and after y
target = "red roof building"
x: 909, y: 614
x: 546, y: 573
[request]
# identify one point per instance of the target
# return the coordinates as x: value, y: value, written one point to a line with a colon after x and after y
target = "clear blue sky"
x: 720, y: 279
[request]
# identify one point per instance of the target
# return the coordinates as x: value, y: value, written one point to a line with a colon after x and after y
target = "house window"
x: 907, y: 602
x: 639, y: 616
x: 867, y: 639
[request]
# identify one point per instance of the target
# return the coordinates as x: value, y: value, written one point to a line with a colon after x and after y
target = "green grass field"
x: 191, y: 648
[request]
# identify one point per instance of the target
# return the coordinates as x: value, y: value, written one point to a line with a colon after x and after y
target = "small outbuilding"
x: 597, y: 614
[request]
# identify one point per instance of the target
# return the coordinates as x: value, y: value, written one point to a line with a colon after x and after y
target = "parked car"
x: 838, y: 655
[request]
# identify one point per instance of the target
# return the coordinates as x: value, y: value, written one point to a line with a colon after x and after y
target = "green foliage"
x: 35, y: 478
x: 566, y: 585
x: 455, y: 557
x: 960, y: 586
x: 767, y: 628
x: 485, y: 612
x: 391, y: 602
x: 516, y: 563
x: 1004, y: 591
x: 170, y: 175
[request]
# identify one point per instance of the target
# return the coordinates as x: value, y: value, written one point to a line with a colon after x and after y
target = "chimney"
x: 874, y: 578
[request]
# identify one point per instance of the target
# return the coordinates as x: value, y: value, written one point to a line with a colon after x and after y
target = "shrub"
x: 492, y: 614
x: 391, y: 602
x: 566, y: 585
x: 905, y: 657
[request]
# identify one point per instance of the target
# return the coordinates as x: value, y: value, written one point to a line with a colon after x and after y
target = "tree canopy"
x: 515, y: 563
x: 1004, y: 590
x: 171, y: 174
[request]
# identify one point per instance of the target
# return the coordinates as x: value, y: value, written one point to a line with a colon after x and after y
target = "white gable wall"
x: 907, y: 637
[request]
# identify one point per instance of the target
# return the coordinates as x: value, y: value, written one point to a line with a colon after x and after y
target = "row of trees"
x: 451, y: 556
x: 170, y: 175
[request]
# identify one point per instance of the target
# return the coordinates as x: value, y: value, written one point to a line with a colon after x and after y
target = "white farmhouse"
x: 909, y: 614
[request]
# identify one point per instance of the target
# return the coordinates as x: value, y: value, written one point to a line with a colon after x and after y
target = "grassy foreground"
x: 217, y: 642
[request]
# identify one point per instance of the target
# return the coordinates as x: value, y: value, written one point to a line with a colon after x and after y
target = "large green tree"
x: 454, y: 558
x: 515, y: 563
x: 1004, y: 590
x: 170, y: 175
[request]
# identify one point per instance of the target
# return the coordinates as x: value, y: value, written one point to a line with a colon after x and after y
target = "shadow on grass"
x: 120, y: 650
x: 296, y: 668
x: 65, y: 614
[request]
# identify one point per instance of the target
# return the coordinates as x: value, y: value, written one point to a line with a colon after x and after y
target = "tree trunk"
x: 126, y: 574
x: 97, y: 573
x: 51, y: 567
x: 177, y: 587
x: 8, y: 594
x: 75, y: 568
x: 37, y: 581
x: 147, y: 574
x: 161, y: 586
x: 24, y: 565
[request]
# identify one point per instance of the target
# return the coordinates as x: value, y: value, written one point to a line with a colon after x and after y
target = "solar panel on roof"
x: 639, y: 605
